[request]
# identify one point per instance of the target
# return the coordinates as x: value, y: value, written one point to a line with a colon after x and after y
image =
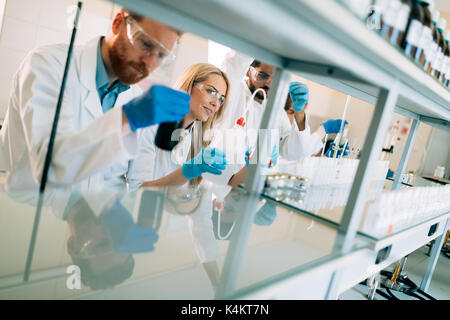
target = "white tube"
x: 344, y: 115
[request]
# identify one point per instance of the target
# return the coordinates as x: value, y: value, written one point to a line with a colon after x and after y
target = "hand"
x: 126, y: 236
x: 299, y: 95
x: 157, y: 105
x: 274, y: 160
x: 330, y: 151
x: 266, y: 215
x: 333, y: 126
x: 208, y: 160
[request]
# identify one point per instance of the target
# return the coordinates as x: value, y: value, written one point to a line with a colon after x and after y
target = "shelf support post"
x: 253, y: 187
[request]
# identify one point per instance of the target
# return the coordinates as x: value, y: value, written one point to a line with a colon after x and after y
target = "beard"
x: 259, y: 95
x: 123, y: 68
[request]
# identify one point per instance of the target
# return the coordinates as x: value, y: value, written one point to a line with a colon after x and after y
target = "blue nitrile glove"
x: 299, y: 95
x: 157, y: 105
x: 266, y: 214
x: 208, y: 160
x: 333, y: 126
x: 275, y: 156
x: 330, y: 151
x: 126, y: 236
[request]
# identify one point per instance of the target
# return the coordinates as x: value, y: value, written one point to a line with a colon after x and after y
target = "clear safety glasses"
x: 146, y: 44
x: 211, y: 93
x: 260, y: 76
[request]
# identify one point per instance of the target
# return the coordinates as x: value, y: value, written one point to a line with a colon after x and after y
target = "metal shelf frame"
x: 306, y: 37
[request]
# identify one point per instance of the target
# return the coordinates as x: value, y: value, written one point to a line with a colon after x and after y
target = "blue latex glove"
x: 208, y: 160
x: 299, y: 95
x: 126, y: 236
x: 333, y: 126
x: 157, y: 105
x: 275, y: 156
x: 330, y: 151
x: 266, y: 215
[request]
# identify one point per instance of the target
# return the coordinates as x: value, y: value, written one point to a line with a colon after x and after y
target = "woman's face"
x: 205, y: 97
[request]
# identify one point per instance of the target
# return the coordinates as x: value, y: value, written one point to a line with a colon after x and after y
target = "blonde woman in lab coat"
x: 153, y: 167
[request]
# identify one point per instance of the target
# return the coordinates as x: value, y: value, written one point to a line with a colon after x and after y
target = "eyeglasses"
x: 146, y: 44
x: 211, y: 92
x: 260, y: 76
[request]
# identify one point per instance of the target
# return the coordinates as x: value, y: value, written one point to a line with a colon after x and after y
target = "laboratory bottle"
x: 402, y: 22
x: 433, y: 48
x: 446, y: 64
x: 379, y: 10
x: 439, y: 63
x: 427, y: 33
x: 414, y: 29
x: 163, y: 138
x: 447, y: 68
x: 395, y: 20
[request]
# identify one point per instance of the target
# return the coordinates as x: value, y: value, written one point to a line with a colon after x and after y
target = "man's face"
x: 137, y: 47
x: 260, y: 77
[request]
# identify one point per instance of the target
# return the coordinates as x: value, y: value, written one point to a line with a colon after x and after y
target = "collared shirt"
x: 108, y: 96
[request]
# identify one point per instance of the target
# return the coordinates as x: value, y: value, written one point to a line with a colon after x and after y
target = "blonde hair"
x: 197, y: 73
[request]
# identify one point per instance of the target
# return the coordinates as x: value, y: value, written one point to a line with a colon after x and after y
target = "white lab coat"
x: 90, y: 152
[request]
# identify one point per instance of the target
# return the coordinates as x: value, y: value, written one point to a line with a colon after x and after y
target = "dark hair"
x: 255, y: 63
x: 106, y: 279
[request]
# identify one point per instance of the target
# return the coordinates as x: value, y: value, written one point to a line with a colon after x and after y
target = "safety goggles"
x: 260, y: 76
x: 146, y: 44
x: 211, y: 93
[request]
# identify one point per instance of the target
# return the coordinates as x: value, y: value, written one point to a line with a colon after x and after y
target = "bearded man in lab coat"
x: 101, y: 112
